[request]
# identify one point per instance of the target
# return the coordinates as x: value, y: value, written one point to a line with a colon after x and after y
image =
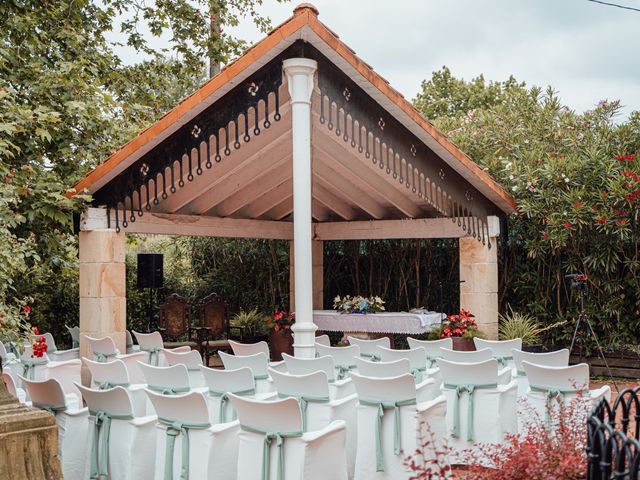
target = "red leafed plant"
x: 458, y: 324
x: 430, y: 460
x: 281, y: 321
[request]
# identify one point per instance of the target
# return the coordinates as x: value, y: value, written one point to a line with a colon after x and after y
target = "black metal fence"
x: 613, y: 446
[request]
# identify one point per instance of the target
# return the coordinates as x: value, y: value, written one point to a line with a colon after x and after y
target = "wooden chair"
x: 175, y: 323
x: 214, y: 329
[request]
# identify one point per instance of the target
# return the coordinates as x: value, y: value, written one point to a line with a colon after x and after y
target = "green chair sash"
x: 343, y: 370
x: 50, y: 408
x: 552, y: 393
x: 396, y: 426
x: 431, y: 360
x: 154, y: 355
x: 100, y: 444
x: 417, y: 373
x: 13, y: 349
x: 75, y: 344
x: 269, y: 436
x: 303, y: 401
x: 103, y: 357
x: 264, y: 376
x: 521, y: 373
x: 469, y: 388
x: 30, y: 367
x: 224, y: 397
x: 175, y: 428
x: 503, y: 359
x: 109, y: 385
x: 166, y: 390
x: 375, y: 357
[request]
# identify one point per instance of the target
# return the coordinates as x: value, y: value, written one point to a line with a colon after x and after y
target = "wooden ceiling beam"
x: 266, y: 202
x: 331, y: 201
x: 280, y: 211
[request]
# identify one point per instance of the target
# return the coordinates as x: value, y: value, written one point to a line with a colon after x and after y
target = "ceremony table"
x: 377, y: 323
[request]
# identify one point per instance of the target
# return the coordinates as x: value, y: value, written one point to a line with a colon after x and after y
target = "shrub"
x: 252, y: 322
x: 519, y: 325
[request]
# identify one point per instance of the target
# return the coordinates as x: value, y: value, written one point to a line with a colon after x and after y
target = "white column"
x: 300, y: 73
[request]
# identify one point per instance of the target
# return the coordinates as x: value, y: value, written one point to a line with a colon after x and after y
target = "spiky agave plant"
x: 519, y: 325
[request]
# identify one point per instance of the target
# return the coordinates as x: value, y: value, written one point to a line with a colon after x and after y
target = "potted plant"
x: 280, y: 336
x: 251, y: 324
x: 461, y: 328
x: 520, y: 325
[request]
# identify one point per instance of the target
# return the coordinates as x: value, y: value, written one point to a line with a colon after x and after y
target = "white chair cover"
x: 343, y: 358
x: 257, y: 363
x: 323, y: 340
x: 479, y: 410
x: 152, y: 344
x: 72, y: 422
x: 501, y: 349
x: 33, y: 368
x: 273, y: 446
x: 166, y: 380
x: 317, y: 408
x: 15, y: 391
x: 369, y: 348
x: 394, y: 368
x: 187, y: 444
x: 559, y: 358
x: 5, y: 355
x: 388, y: 419
x: 103, y: 349
x: 120, y: 444
x: 131, y: 347
x: 246, y: 349
x: 59, y: 355
x: 115, y: 374
x: 431, y: 347
x: 74, y: 332
x: 67, y: 373
x: 303, y: 366
x: 132, y: 362
x: 549, y: 387
x: 504, y: 373
x: 191, y: 359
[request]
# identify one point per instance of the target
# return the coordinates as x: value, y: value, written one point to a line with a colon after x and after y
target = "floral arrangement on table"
x: 459, y: 325
x: 358, y: 304
x: 281, y: 321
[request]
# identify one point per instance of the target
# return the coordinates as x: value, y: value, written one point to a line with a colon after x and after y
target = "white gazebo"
x: 300, y: 140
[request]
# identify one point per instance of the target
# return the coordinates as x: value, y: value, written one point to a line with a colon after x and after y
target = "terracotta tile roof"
x: 305, y: 15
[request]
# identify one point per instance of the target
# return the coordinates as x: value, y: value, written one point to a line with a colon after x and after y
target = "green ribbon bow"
x: 153, y: 351
x: 396, y: 426
x: 50, y: 408
x: 431, y: 359
x: 417, y: 373
x: 552, y: 393
x: 100, y: 444
x: 343, y: 370
x: 375, y: 357
x: 303, y: 401
x: 470, y: 388
x: 30, y: 367
x: 503, y: 359
x: 224, y: 397
x: 166, y: 390
x: 102, y: 357
x: 266, y: 449
x: 175, y: 428
x: 109, y: 385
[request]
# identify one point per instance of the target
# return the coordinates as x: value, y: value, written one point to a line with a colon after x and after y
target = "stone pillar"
x: 479, y: 283
x: 317, y: 273
x: 102, y: 289
x: 300, y: 79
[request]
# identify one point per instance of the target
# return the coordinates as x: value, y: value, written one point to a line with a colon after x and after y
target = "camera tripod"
x: 579, y: 282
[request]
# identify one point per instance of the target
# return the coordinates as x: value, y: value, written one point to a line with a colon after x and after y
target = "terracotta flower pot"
x: 279, y: 343
x: 463, y: 344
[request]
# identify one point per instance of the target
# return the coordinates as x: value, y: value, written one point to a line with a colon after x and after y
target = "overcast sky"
x: 586, y: 51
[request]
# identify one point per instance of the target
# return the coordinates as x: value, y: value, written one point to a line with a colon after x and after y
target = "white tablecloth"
x: 381, y: 322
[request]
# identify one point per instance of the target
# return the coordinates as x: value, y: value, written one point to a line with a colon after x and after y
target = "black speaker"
x: 150, y: 273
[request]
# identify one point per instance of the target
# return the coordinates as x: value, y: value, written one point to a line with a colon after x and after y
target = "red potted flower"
x: 280, y: 336
x: 461, y: 328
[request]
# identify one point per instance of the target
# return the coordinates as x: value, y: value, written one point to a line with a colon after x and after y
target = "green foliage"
x: 519, y: 325
x: 252, y: 322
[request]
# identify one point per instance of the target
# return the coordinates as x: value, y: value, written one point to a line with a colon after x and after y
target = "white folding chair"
x: 59, y: 355
x: 132, y: 362
x: 479, y: 410
x: 501, y: 349
x: 551, y: 387
x: 115, y: 374
x: 559, y: 358
x: 67, y: 373
x: 504, y: 373
x: 74, y: 332
x: 103, y: 349
x: 223, y: 382
x: 5, y: 355
x: 317, y: 408
x: 272, y: 440
x: 31, y: 367
x: 15, y: 391
x: 72, y: 422
x: 432, y: 348
x: 153, y: 345
x: 122, y: 446
x: 131, y: 347
x: 246, y: 349
x: 323, y: 340
x: 187, y: 444
x: 343, y: 358
x: 191, y: 359
x: 389, y: 421
x: 369, y: 348
x: 257, y: 363
x: 303, y: 366
x: 417, y: 359
x: 166, y: 380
